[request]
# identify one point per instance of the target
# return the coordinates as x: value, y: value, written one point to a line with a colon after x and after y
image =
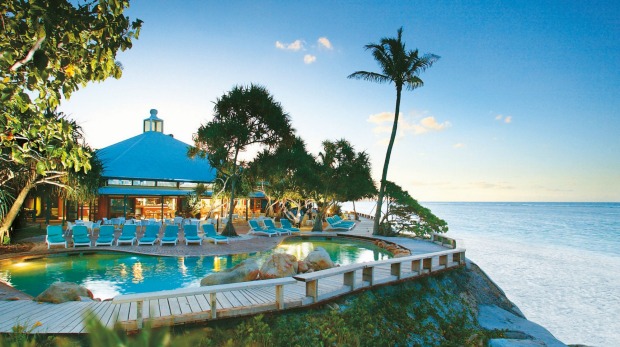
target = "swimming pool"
x: 111, y: 274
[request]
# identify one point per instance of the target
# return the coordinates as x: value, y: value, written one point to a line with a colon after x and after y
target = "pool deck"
x: 192, y: 305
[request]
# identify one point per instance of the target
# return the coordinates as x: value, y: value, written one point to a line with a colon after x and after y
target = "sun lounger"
x: 270, y: 225
x: 258, y: 230
x: 339, y: 225
x: 80, y: 236
x: 128, y: 235
x: 106, y: 236
x: 191, y: 234
x: 171, y: 235
x: 151, y: 235
x: 211, y: 234
x: 54, y: 236
x: 341, y: 221
x: 286, y: 224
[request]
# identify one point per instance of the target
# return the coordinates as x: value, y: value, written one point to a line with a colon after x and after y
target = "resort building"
x: 146, y: 176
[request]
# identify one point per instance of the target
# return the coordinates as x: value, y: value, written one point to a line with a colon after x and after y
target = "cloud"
x: 383, y: 124
x: 431, y: 124
x: 425, y: 125
x: 458, y: 145
x: 502, y: 118
x: 325, y: 43
x: 295, y: 46
x: 309, y: 58
x: 381, y: 117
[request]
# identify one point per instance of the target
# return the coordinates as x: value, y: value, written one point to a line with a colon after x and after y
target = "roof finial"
x: 153, y: 123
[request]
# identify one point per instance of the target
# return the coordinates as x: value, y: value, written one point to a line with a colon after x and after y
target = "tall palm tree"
x: 401, y: 67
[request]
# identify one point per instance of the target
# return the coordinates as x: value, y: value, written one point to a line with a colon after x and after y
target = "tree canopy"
x: 282, y: 174
x: 243, y: 117
x: 405, y: 215
x: 336, y: 170
x: 402, y: 68
x: 48, y: 50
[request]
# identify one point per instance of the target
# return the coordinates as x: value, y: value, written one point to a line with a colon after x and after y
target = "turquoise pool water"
x: 111, y: 274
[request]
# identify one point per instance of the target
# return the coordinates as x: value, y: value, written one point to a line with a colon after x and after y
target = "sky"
x: 523, y: 105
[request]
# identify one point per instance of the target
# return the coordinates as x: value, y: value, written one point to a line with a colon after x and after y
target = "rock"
x: 279, y: 265
x: 400, y: 255
x: 245, y: 271
x: 319, y: 259
x: 60, y: 292
x: 302, y: 267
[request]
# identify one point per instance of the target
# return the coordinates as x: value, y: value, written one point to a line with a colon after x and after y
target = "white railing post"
x: 368, y: 274
x: 279, y: 296
x: 349, y: 279
x: 312, y: 289
x: 139, y: 314
x: 395, y: 270
x: 213, y: 300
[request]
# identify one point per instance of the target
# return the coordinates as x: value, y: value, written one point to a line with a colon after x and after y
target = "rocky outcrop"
x: 279, y: 265
x: 319, y: 259
x: 396, y: 250
x: 60, y: 292
x: 247, y: 270
x: 276, y: 266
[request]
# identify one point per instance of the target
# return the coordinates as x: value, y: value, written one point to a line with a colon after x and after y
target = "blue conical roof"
x: 154, y: 156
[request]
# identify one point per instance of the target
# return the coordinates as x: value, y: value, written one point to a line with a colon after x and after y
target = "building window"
x: 117, y: 182
x: 188, y: 185
x: 166, y: 184
x: 144, y: 183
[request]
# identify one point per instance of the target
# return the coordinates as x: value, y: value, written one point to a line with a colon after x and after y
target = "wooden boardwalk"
x: 181, y: 306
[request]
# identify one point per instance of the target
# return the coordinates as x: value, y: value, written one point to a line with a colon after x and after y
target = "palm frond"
x: 370, y: 76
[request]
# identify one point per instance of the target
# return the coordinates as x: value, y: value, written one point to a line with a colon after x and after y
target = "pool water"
x: 111, y: 274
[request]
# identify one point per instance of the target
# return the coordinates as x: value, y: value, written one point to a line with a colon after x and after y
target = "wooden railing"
x: 212, y: 291
x: 399, y: 268
x: 319, y: 286
x: 443, y: 240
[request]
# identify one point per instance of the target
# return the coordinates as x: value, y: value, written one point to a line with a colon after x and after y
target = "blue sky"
x: 522, y: 106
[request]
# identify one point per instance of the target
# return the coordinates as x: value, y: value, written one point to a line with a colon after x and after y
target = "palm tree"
x: 401, y: 67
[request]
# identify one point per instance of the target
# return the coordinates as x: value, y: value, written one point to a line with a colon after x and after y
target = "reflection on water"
x: 111, y: 274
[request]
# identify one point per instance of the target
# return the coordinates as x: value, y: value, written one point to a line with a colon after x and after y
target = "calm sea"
x: 558, y: 262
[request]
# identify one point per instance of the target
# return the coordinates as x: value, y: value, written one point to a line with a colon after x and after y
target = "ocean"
x: 558, y: 262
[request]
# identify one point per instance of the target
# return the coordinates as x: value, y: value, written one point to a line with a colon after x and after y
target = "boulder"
x: 302, y: 267
x: 279, y: 265
x: 245, y: 271
x: 319, y: 259
x: 60, y: 292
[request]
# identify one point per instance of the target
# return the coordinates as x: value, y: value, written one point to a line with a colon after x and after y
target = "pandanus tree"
x: 245, y: 117
x: 336, y: 170
x: 281, y: 174
x: 401, y: 67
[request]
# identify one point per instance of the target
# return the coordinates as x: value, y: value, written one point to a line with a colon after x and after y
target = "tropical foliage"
x: 401, y: 67
x: 338, y: 168
x: 245, y: 117
x: 432, y: 311
x: 405, y: 215
x: 50, y: 49
x: 282, y: 174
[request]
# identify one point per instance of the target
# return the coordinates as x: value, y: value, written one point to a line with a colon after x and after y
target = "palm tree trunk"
x: 375, y: 228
